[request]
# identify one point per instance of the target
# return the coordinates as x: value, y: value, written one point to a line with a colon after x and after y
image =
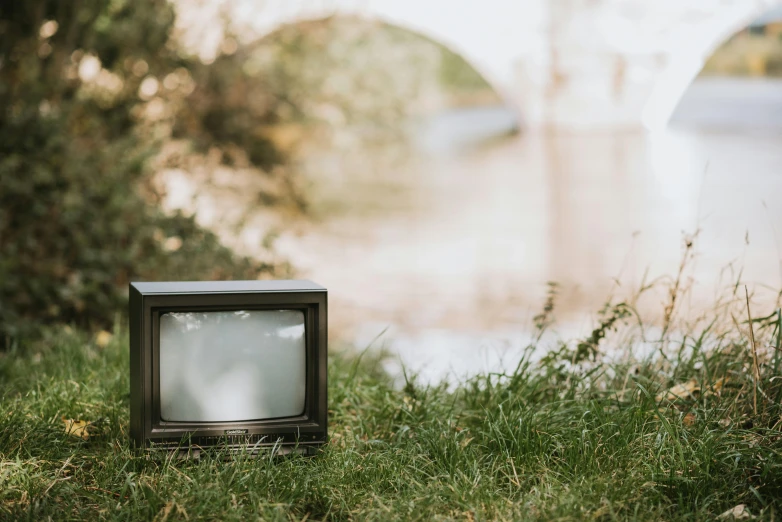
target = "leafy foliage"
x: 228, y: 108
x: 77, y: 215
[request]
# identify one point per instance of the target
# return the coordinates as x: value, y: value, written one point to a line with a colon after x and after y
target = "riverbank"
x: 687, y: 431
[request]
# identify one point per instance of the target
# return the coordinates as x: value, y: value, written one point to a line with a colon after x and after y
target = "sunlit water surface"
x: 447, y: 249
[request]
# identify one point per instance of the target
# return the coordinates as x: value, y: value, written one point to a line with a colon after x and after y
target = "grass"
x: 585, y: 433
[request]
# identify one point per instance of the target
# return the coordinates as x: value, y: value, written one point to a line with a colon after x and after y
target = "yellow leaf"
x: 739, y: 512
x: 103, y: 338
x: 76, y: 428
x: 685, y: 390
x: 718, y: 384
x: 690, y: 390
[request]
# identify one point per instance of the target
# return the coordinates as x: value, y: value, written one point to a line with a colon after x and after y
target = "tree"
x: 77, y: 218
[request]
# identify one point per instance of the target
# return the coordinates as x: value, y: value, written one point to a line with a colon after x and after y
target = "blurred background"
x: 435, y: 165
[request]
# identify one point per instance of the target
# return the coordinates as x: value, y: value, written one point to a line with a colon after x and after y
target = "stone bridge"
x: 563, y: 63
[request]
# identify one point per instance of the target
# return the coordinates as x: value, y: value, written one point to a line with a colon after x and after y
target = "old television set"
x: 236, y: 364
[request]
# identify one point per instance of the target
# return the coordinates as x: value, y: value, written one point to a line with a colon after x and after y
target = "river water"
x: 442, y: 254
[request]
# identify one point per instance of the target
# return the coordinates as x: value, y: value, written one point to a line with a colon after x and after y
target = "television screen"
x: 233, y: 363
x: 205, y: 357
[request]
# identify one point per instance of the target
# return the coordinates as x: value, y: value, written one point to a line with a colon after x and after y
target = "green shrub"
x: 74, y: 229
x: 77, y: 217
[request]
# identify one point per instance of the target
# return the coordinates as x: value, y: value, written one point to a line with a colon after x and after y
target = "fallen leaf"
x: 103, y: 338
x: 739, y: 512
x: 718, y: 384
x: 689, y: 419
x: 76, y: 428
x: 685, y: 390
x: 691, y: 389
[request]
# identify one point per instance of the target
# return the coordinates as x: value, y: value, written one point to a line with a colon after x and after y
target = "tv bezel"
x: 150, y: 300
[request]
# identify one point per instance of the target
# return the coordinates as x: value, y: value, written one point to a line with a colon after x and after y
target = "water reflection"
x: 459, y: 257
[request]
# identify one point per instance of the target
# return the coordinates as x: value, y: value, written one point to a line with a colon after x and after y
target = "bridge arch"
x: 561, y: 63
x: 470, y: 30
x: 689, y: 52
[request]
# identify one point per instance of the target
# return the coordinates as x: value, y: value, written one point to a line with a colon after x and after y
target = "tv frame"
x: 149, y: 300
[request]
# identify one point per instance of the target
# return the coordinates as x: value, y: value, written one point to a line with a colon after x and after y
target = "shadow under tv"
x: 239, y: 365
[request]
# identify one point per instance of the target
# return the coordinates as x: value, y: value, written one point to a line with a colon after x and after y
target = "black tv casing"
x: 149, y: 300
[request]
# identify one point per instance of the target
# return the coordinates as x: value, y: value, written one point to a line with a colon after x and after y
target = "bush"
x: 75, y: 222
x: 74, y: 229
